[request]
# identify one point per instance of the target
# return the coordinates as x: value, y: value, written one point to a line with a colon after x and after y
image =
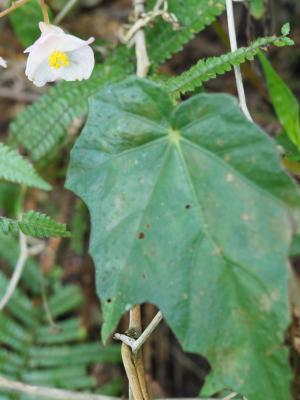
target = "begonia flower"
x: 3, y: 63
x: 57, y: 55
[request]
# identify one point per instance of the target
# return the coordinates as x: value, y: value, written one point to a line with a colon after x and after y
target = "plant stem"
x: 45, y: 392
x: 142, y: 58
x: 131, y: 372
x: 237, y: 70
x: 17, y: 272
x: 64, y: 11
x: 147, y: 332
x: 57, y: 394
x: 45, y: 11
x: 13, y: 7
x: 135, y: 321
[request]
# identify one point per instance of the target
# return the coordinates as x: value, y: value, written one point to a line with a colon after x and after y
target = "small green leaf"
x: 291, y: 151
x: 285, y: 103
x: 257, y: 8
x: 9, y: 226
x: 286, y: 29
x: 284, y: 41
x: 186, y: 204
x: 34, y: 224
x: 15, y: 168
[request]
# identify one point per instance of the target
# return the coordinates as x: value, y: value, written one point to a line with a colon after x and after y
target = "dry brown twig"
x: 159, y: 10
x: 13, y: 7
x: 142, y: 59
x: 61, y: 394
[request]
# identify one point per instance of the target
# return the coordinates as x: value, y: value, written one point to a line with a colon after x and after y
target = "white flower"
x: 57, y: 55
x: 3, y: 63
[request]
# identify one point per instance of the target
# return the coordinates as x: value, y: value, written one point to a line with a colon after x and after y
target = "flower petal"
x: 69, y: 43
x: 43, y: 74
x: 82, y: 62
x: 39, y: 54
x: 3, y: 63
x: 53, y: 39
x: 48, y: 29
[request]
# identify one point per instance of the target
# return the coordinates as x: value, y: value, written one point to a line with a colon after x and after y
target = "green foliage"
x: 9, y: 198
x: 286, y: 29
x: 25, y: 22
x: 291, y: 151
x: 285, y: 103
x: 15, y: 168
x: 257, y: 8
x: 295, y: 247
x: 35, y: 352
x: 151, y: 171
x: 193, y: 16
x: 208, y: 69
x: 34, y: 224
x: 8, y: 226
x: 79, y: 227
x: 42, y: 126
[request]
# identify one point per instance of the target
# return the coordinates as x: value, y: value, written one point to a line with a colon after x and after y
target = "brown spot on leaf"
x: 141, y: 235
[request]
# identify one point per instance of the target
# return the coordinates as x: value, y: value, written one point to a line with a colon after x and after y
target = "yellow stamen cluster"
x: 58, y: 59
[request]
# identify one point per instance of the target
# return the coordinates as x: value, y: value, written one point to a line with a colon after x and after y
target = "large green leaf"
x: 189, y: 210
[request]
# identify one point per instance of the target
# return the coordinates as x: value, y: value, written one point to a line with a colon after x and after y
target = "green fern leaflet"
x: 34, y: 224
x: 15, y: 168
x: 208, y: 69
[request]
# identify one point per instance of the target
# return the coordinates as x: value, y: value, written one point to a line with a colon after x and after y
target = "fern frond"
x: 9, y: 226
x: 208, y: 69
x: 30, y: 351
x: 34, y: 224
x: 15, y: 168
x: 193, y: 17
x: 43, y: 125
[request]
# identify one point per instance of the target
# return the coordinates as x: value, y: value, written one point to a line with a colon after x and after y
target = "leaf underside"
x: 189, y: 211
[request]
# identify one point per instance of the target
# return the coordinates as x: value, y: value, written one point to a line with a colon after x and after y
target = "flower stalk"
x: 45, y: 12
